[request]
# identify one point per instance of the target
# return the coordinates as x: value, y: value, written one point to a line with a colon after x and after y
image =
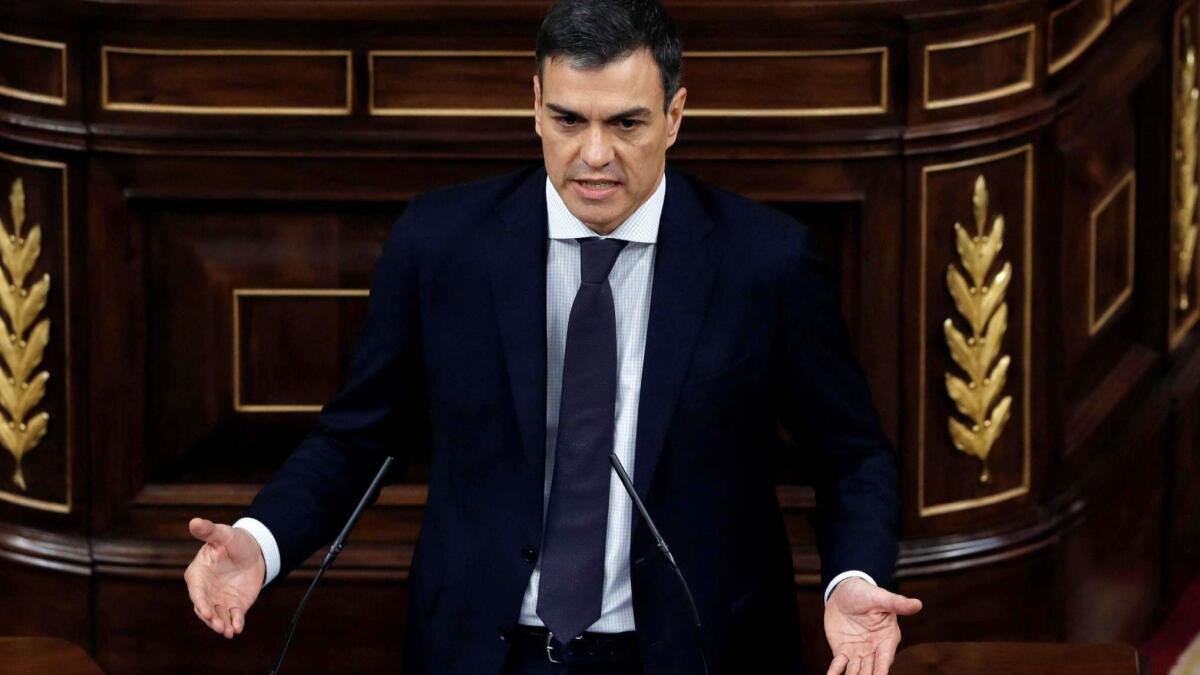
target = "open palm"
x: 225, y: 577
x: 861, y: 626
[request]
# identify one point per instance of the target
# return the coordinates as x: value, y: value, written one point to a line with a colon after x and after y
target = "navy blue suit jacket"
x: 744, y: 329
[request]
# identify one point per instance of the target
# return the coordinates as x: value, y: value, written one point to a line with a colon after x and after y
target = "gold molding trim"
x: 1026, y: 83
x: 982, y: 303
x: 35, y: 96
x: 238, y: 294
x: 1185, y: 112
x: 1097, y: 30
x: 1120, y: 5
x: 5, y: 495
x: 880, y: 108
x: 928, y: 510
x: 106, y: 103
x: 1094, y: 323
x: 21, y: 390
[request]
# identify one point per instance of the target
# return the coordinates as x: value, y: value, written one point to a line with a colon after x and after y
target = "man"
x: 537, y: 322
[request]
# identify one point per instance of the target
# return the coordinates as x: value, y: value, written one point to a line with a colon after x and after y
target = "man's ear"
x: 537, y: 105
x: 675, y: 115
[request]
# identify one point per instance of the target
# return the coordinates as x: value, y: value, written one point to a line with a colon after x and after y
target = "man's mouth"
x: 595, y: 189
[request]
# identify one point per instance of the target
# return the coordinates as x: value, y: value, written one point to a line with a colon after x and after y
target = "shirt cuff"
x: 846, y: 575
x: 266, y: 542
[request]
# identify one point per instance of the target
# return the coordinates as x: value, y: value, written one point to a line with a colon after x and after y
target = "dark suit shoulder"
x: 446, y: 216
x: 762, y: 228
x: 471, y: 197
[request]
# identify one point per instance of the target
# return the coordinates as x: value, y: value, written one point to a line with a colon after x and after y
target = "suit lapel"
x: 517, y: 261
x: 685, y: 265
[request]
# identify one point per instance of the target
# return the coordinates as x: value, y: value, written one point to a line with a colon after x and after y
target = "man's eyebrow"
x: 637, y: 111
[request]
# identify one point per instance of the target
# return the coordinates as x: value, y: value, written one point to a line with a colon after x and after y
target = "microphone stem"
x: 662, y: 546
x: 334, y: 550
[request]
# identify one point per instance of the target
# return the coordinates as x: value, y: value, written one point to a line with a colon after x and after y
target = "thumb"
x: 208, y: 531
x: 905, y: 606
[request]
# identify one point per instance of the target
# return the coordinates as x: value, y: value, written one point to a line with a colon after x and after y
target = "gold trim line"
x: 35, y: 96
x: 1066, y: 59
x: 68, y: 432
x: 880, y: 108
x: 238, y: 294
x: 1026, y: 83
x: 1095, y: 324
x: 107, y: 104
x: 923, y: 509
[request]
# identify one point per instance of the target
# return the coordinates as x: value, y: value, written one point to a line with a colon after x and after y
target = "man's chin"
x: 598, y: 219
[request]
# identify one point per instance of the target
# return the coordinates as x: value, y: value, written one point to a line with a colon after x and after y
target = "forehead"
x: 626, y: 82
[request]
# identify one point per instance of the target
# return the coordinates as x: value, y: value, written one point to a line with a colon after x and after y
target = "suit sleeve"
x: 380, y: 410
x: 826, y: 406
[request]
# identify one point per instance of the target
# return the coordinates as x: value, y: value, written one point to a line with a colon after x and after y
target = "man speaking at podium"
x: 537, y: 322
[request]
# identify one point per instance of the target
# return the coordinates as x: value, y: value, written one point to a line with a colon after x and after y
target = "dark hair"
x: 594, y: 33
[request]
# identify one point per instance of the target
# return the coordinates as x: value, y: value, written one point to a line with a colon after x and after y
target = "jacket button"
x: 529, y: 554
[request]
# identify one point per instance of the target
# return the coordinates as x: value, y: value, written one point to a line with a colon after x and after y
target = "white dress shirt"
x: 631, y: 279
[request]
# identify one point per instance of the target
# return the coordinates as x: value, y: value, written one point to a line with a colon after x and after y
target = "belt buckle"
x: 550, y: 648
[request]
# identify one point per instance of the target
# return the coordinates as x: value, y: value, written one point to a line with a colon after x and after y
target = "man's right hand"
x: 225, y: 577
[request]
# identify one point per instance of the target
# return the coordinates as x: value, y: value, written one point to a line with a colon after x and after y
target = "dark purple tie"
x: 572, y: 576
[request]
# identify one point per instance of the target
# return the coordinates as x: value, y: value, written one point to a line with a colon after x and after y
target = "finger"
x: 883, y: 659
x: 837, y: 666
x: 200, y: 528
x: 218, y: 621
x: 854, y: 665
x: 203, y: 609
x: 238, y: 617
x: 905, y: 606
x: 868, y: 664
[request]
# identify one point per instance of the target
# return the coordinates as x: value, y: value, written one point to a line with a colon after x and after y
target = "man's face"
x: 604, y: 134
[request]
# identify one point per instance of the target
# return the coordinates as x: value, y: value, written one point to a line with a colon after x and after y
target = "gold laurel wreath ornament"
x: 981, y: 304
x: 22, y: 352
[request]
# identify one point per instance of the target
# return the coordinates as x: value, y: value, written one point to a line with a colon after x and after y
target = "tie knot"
x: 596, y: 258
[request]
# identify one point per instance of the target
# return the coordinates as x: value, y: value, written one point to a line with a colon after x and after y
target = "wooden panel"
x: 949, y: 480
x: 979, y: 68
x: 1072, y: 29
x: 817, y: 83
x: 34, y: 70
x: 40, y: 186
x: 286, y: 351
x: 1111, y: 253
x: 226, y: 81
x: 1116, y: 553
x: 370, y: 616
x: 52, y: 602
x: 294, y: 350
x: 814, y: 83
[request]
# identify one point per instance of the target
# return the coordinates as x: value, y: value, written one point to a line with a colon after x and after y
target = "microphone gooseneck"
x: 329, y: 557
x: 662, y: 546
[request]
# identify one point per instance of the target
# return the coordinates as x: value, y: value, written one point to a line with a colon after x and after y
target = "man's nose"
x: 597, y: 149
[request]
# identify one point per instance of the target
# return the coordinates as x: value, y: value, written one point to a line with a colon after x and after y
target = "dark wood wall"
x: 210, y: 184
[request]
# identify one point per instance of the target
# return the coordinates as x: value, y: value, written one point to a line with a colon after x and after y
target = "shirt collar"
x: 641, y: 226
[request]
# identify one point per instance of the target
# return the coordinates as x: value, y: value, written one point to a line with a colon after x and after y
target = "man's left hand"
x: 861, y: 626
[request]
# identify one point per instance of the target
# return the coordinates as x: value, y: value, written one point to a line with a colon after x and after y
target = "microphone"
x: 662, y: 546
x: 334, y: 550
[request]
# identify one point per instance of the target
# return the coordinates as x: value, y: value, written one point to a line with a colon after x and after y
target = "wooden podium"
x: 45, y: 656
x: 1017, y: 658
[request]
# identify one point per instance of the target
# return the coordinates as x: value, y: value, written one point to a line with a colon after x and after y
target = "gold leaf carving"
x: 22, y: 348
x: 1187, y: 106
x: 981, y: 304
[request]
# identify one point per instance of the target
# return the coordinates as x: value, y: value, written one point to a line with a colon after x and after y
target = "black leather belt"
x: 614, y: 650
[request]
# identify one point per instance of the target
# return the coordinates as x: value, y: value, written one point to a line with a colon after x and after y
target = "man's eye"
x: 629, y: 124
x: 566, y: 120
